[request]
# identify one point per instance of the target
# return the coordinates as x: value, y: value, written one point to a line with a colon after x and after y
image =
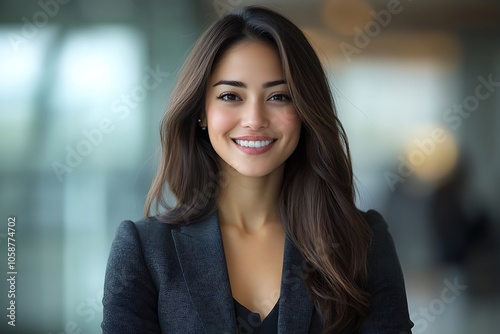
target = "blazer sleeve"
x: 388, y: 311
x: 130, y: 297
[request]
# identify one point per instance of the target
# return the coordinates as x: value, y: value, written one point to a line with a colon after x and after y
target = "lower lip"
x: 254, y: 150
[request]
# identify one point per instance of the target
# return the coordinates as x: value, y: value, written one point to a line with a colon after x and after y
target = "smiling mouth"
x: 253, y: 143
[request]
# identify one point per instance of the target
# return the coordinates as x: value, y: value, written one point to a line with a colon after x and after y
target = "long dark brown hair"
x: 317, y: 201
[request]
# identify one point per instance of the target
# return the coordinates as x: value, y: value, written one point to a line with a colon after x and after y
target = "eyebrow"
x: 243, y: 85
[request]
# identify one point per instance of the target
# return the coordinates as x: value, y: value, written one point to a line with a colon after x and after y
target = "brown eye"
x: 228, y: 97
x: 280, y: 98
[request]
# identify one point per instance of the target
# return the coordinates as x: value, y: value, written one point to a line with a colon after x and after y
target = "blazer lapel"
x: 295, y: 307
x: 201, y: 256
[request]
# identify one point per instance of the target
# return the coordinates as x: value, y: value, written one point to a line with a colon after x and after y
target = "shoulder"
x: 383, y: 254
x: 381, y: 242
x: 147, y: 226
x: 374, y: 219
x: 384, y: 269
x: 142, y: 229
x: 144, y: 247
x: 388, y: 304
x: 156, y: 236
x: 148, y: 234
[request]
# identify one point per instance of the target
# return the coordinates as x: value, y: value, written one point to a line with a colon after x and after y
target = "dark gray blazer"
x: 162, y: 278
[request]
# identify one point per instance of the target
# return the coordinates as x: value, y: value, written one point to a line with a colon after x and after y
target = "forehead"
x: 248, y: 60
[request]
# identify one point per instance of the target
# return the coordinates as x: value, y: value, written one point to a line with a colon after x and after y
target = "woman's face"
x: 250, y: 119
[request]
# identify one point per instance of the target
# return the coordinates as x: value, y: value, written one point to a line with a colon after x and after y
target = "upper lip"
x: 253, y: 138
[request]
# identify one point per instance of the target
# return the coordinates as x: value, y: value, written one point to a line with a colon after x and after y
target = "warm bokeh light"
x: 433, y: 153
x: 344, y: 16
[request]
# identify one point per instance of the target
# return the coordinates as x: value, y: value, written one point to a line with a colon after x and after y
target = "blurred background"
x: 83, y: 85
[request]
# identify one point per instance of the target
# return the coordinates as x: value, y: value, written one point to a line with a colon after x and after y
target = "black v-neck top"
x: 250, y: 323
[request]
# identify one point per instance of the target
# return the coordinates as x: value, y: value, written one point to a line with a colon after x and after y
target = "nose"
x: 254, y: 115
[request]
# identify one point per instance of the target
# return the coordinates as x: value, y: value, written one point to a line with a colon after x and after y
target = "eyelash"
x: 284, y: 97
x: 224, y: 97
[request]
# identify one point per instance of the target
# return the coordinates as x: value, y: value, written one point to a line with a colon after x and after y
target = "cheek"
x: 288, y: 121
x: 219, y: 120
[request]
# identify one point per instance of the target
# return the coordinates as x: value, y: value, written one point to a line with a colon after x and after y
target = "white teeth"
x: 252, y: 143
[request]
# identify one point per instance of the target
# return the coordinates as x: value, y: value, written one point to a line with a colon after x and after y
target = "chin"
x: 253, y: 173
x: 259, y: 171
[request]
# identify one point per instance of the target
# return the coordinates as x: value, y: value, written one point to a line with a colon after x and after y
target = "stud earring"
x: 203, y: 127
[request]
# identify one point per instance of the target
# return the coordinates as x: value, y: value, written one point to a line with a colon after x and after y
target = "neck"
x: 250, y: 203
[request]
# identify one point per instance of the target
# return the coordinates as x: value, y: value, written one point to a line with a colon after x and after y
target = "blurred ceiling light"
x: 433, y: 154
x: 342, y: 16
x: 87, y: 69
x: 21, y: 67
x: 96, y: 62
x: 18, y: 69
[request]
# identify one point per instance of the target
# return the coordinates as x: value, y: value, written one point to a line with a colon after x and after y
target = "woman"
x: 264, y: 236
